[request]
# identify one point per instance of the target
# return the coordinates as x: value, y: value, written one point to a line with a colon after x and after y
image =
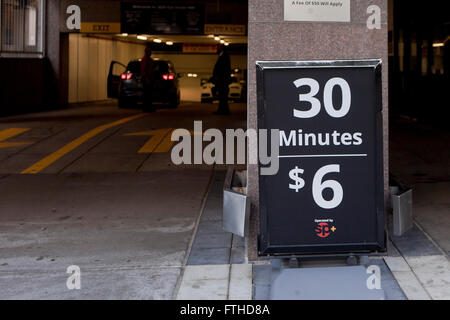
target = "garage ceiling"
x: 188, y: 39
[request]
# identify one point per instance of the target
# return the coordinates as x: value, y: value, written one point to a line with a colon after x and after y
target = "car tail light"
x: 168, y: 76
x: 126, y: 76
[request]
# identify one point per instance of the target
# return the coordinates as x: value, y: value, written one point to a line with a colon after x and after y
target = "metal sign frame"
x: 265, y: 246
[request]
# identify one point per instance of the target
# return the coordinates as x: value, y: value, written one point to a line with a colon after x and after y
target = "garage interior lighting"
x: 169, y: 43
x: 217, y: 38
x: 438, y: 45
x: 142, y: 38
x: 226, y: 44
x: 157, y: 40
x: 192, y: 75
x: 124, y: 35
x: 222, y: 41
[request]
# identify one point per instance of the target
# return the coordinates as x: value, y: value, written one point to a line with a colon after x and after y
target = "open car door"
x: 115, y: 71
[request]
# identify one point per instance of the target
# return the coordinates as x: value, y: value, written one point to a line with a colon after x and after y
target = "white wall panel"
x: 102, y: 69
x: 89, y: 61
x: 83, y: 69
x: 92, y: 75
x: 73, y: 69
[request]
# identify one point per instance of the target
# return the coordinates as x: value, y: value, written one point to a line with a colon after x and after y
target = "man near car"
x: 147, y: 74
x: 222, y: 79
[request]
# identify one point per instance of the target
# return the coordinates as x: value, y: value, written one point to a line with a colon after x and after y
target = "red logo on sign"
x: 323, y: 230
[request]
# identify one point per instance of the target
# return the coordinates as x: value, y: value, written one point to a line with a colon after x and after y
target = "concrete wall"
x: 90, y: 58
x: 232, y: 11
x: 23, y: 86
x: 272, y: 38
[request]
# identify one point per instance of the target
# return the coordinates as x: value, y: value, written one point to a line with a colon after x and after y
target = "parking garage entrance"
x: 112, y: 35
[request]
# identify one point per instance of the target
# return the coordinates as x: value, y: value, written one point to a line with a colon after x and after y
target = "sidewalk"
x: 216, y: 268
x: 415, y: 269
x: 420, y: 267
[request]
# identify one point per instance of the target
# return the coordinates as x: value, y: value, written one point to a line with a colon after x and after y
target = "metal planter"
x: 402, y: 207
x: 236, y: 204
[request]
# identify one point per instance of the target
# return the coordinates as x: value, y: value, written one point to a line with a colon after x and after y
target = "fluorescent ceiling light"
x: 142, y: 38
x: 169, y: 43
x: 217, y: 38
x: 157, y: 40
x: 438, y: 45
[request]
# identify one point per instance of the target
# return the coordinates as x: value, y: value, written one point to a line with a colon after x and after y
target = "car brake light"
x: 126, y: 76
x: 168, y: 76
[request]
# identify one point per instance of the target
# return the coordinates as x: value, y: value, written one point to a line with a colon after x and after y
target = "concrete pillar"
x: 272, y: 38
x: 54, y: 94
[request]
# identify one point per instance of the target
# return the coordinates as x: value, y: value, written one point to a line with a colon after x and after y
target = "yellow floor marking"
x: 9, y: 133
x: 156, y: 137
x: 166, y: 144
x: 44, y: 163
x: 160, y: 142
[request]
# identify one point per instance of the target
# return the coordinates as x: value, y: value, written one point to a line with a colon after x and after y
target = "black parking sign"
x: 328, y: 194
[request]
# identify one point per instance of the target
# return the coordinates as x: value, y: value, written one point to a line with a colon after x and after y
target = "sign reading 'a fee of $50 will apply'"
x: 317, y: 10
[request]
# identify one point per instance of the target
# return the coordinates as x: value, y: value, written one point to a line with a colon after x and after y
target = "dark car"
x: 126, y: 84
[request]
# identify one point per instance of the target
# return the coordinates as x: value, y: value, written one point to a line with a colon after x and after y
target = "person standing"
x: 222, y: 79
x: 147, y: 74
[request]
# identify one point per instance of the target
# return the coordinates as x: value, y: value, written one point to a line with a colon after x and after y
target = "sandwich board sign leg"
x: 328, y: 194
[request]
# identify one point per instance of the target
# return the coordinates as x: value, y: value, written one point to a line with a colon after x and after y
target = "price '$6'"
x: 319, y: 185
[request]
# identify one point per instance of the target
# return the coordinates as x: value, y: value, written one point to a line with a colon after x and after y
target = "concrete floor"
x: 125, y: 218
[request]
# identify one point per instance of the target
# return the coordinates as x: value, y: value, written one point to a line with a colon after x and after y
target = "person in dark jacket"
x: 147, y: 74
x: 222, y: 79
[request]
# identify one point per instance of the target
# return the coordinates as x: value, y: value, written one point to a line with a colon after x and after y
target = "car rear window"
x: 134, y: 67
x: 161, y: 67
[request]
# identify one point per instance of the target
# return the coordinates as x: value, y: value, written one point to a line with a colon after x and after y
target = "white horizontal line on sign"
x: 325, y: 156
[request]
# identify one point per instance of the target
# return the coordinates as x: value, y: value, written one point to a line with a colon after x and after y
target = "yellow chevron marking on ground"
x: 44, y: 163
x: 9, y: 133
x: 157, y: 137
x: 160, y: 141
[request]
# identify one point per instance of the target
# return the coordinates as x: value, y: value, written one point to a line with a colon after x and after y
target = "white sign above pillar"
x: 317, y: 10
